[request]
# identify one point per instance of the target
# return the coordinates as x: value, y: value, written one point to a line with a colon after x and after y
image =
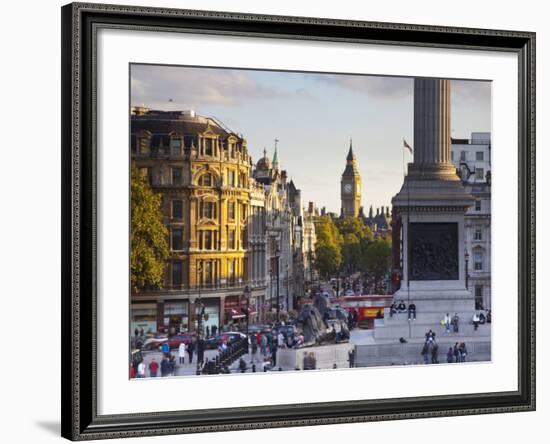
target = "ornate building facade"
x: 202, y: 171
x: 234, y: 226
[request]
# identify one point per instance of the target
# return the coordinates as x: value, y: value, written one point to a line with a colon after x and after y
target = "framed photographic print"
x: 278, y: 221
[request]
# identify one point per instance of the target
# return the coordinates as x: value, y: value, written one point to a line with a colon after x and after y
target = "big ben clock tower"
x: 350, y: 187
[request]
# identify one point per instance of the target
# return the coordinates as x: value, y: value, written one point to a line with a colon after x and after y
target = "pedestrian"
x: 136, y: 332
x: 447, y: 322
x: 214, y: 330
x: 164, y: 366
x: 424, y: 353
x: 165, y: 347
x: 455, y: 321
x: 201, y: 345
x: 254, y: 349
x: 141, y: 370
x: 263, y: 344
x: 181, y: 353
x: 132, y: 372
x: 274, y: 353
x: 475, y: 321
x: 450, y: 355
x: 337, y: 330
x: 190, y: 350
x: 280, y: 339
x: 207, y: 331
x: 412, y: 311
x: 153, y: 368
x: 351, y: 358
x: 172, y: 365
x: 456, y: 351
x: 463, y: 351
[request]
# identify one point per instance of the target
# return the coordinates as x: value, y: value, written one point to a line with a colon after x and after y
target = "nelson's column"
x: 431, y: 206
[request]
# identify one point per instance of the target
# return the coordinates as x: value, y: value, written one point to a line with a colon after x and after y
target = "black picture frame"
x: 80, y: 22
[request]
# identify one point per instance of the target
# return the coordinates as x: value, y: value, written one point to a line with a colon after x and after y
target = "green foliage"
x: 148, y: 236
x: 356, y: 235
x: 376, y: 259
x: 328, y: 248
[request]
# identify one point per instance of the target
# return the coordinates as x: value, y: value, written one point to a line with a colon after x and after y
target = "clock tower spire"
x: 350, y: 186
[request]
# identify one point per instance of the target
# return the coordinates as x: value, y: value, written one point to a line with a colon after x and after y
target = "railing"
x: 224, y: 359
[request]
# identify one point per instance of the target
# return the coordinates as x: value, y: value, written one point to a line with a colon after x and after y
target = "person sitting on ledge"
x: 401, y: 306
x: 412, y: 311
x: 393, y: 310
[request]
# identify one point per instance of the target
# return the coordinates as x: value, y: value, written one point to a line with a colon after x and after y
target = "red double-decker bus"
x: 368, y: 307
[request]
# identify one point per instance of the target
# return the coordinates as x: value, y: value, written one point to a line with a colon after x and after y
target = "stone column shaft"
x: 432, y: 121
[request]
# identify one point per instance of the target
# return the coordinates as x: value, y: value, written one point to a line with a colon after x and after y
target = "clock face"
x: 347, y: 188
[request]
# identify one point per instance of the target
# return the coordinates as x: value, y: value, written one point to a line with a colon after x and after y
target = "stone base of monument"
x: 395, y: 353
x: 326, y: 356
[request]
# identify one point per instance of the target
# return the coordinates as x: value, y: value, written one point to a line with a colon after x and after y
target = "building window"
x: 208, y: 147
x: 177, y: 239
x: 243, y: 212
x: 208, y: 240
x: 231, y: 210
x: 477, y: 234
x: 209, y: 210
x: 478, y: 295
x: 480, y: 174
x: 206, y: 180
x: 478, y: 261
x: 463, y: 155
x: 478, y: 205
x: 177, y: 209
x: 231, y: 271
x: 479, y: 155
x: 177, y: 176
x: 231, y: 239
x: 177, y: 269
x: 231, y: 178
x: 175, y: 146
x: 452, y: 155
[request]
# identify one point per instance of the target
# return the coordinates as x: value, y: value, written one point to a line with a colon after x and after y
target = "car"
x: 228, y: 337
x: 174, y: 341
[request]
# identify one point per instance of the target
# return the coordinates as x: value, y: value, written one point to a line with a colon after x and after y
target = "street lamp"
x: 277, y: 255
x: 246, y: 302
x: 199, y: 316
x: 466, y: 260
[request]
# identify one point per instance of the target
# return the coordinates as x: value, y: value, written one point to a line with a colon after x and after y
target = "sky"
x: 314, y: 116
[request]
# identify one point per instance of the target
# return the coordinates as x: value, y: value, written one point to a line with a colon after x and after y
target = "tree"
x: 148, y: 236
x: 355, y: 234
x: 376, y: 259
x: 328, y: 248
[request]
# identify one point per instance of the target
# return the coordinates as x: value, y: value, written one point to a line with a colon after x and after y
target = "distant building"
x: 380, y: 224
x: 472, y: 158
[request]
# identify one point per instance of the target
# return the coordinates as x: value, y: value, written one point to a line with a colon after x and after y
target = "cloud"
x: 384, y: 87
x: 471, y: 92
x: 184, y: 87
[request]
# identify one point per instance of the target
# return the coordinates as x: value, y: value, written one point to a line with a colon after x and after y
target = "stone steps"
x: 418, y: 330
x: 465, y: 317
x: 402, y: 354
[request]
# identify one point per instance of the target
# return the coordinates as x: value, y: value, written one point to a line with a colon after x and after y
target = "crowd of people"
x: 430, y: 350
